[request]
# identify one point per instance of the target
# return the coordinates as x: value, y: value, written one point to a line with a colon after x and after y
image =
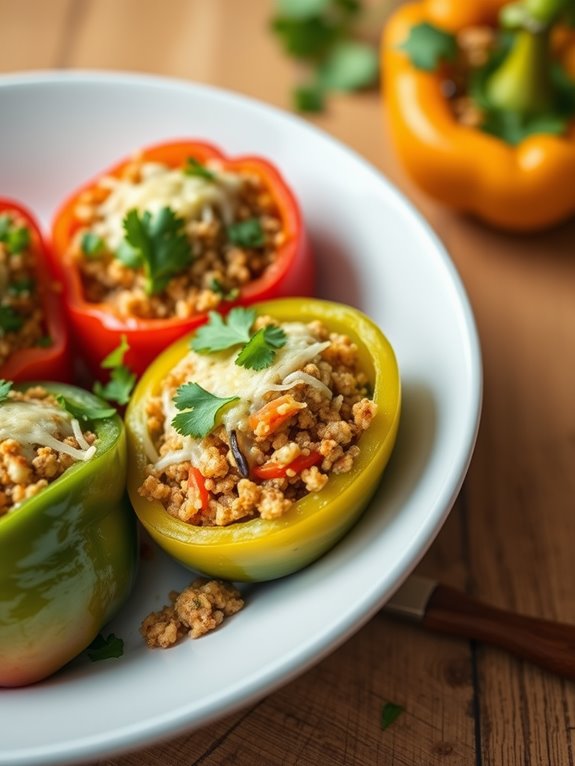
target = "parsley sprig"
x: 5, y: 388
x: 201, y: 410
x: 427, y: 46
x: 15, y: 238
x: 122, y: 379
x: 107, y: 648
x: 324, y: 36
x: 84, y: 412
x: 222, y: 333
x: 158, y: 244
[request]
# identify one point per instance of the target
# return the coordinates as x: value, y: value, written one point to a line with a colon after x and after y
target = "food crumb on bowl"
x: 199, y: 608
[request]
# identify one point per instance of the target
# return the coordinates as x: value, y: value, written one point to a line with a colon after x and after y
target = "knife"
x: 551, y: 645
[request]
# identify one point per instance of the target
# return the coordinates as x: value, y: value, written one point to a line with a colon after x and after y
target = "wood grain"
x: 510, y: 538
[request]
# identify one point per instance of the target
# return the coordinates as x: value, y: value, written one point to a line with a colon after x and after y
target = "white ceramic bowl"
x: 374, y: 252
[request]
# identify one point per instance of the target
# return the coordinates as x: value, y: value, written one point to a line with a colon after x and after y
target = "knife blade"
x: 549, y: 644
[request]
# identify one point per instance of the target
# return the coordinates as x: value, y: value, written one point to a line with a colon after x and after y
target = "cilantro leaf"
x: 260, y: 351
x: 305, y: 37
x: 5, y: 223
x: 309, y: 98
x: 16, y: 238
x: 390, y: 711
x: 5, y: 388
x: 202, y: 409
x: 119, y: 387
x: 84, y: 411
x: 116, y: 357
x: 514, y: 128
x: 10, y: 320
x: 158, y: 243
x: 221, y: 333
x: 427, y: 46
x: 105, y: 648
x: 92, y: 245
x: 227, y: 295
x: 248, y: 233
x: 301, y: 9
x: 195, y: 168
x: 350, y: 65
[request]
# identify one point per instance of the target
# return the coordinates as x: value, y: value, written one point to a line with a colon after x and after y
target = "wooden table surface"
x: 510, y: 537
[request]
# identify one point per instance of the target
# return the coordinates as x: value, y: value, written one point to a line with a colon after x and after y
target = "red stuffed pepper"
x: 149, y: 248
x: 33, y: 337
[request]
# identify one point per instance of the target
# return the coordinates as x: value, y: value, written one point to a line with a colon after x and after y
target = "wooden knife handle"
x: 548, y: 644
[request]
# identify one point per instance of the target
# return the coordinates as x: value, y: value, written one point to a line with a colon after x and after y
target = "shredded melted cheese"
x: 221, y: 376
x: 190, y: 197
x: 33, y: 423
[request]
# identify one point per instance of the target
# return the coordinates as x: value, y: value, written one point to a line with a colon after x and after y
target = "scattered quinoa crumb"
x: 199, y: 608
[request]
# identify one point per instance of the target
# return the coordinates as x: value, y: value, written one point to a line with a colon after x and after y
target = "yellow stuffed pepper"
x: 481, y: 102
x: 256, y: 442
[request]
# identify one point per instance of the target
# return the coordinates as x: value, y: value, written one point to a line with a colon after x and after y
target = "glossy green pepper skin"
x: 264, y: 549
x: 67, y: 557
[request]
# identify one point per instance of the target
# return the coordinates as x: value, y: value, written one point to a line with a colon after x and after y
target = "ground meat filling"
x: 475, y: 45
x: 211, y: 204
x: 199, y: 608
x: 267, y: 461
x: 27, y: 468
x: 22, y: 321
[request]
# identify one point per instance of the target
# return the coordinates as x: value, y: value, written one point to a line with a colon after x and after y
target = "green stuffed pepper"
x: 68, y: 541
x: 257, y: 442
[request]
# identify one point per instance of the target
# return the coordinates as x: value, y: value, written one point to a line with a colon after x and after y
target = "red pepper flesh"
x: 273, y: 470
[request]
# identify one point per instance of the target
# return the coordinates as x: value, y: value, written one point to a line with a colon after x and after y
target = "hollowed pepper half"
x: 67, y: 557
x: 264, y: 549
x: 44, y: 351
x: 98, y: 329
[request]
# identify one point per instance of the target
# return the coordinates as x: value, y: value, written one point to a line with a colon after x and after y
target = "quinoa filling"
x: 39, y: 440
x: 285, y: 428
x: 163, y: 242
x: 22, y: 321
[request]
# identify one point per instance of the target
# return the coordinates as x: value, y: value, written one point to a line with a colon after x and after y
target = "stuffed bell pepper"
x: 151, y: 246
x: 33, y: 336
x: 256, y: 442
x: 67, y: 533
x: 481, y: 102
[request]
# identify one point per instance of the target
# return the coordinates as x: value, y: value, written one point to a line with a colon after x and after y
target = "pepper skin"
x: 259, y: 549
x: 67, y: 558
x: 98, y: 331
x: 518, y: 188
x: 40, y: 363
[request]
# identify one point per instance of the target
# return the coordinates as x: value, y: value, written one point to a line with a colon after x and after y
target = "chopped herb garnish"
x: 16, y: 238
x: 227, y: 295
x: 427, y: 46
x: 158, y: 244
x: 119, y: 387
x: 116, y: 357
x: 260, y: 351
x: 122, y: 379
x: 105, y: 648
x: 248, y: 233
x: 221, y: 333
x: 309, y: 98
x: 195, y: 168
x: 44, y: 341
x: 92, y: 245
x: 5, y: 224
x: 202, y: 409
x: 389, y: 713
x: 10, y: 320
x: 84, y: 411
x: 23, y: 285
x: 5, y: 388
